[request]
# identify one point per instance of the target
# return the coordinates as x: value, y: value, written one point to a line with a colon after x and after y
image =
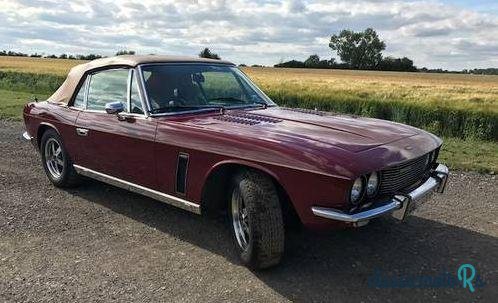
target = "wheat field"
x: 475, y: 92
x: 478, y: 92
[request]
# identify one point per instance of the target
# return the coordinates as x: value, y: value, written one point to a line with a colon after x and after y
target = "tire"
x: 59, y: 168
x: 256, y: 220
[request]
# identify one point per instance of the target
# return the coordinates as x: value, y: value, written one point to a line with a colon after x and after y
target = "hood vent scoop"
x: 246, y: 118
x: 306, y: 111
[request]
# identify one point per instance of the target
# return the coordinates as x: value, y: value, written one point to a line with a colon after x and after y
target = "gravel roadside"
x: 101, y: 243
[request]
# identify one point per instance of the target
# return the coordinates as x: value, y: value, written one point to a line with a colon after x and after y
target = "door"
x: 120, y: 145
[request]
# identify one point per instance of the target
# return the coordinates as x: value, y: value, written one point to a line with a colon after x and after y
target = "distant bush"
x: 28, y: 82
x: 386, y: 64
x: 291, y: 64
x: 125, y: 52
x: 397, y: 64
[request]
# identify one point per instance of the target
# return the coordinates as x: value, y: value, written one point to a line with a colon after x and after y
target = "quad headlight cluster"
x: 367, y: 185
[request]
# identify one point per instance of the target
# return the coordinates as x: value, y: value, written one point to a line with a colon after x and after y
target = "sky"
x: 458, y: 34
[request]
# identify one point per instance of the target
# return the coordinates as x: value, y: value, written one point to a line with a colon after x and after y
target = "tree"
x: 360, y: 50
x: 312, y: 61
x: 206, y: 53
x: 124, y: 52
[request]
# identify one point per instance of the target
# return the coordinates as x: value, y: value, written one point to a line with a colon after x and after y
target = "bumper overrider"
x: 399, y: 206
x: 28, y: 138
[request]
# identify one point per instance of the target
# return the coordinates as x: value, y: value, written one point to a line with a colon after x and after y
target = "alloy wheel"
x: 240, y: 219
x: 54, y: 158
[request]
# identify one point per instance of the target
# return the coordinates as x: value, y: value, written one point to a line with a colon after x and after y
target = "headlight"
x: 372, y: 184
x: 357, y: 190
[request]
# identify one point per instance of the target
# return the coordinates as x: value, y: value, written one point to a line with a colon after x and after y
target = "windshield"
x: 182, y: 87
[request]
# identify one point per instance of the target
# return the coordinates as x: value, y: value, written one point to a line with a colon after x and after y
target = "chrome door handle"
x: 82, y: 131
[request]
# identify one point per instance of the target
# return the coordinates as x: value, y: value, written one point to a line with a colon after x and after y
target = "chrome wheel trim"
x: 240, y: 219
x: 54, y: 158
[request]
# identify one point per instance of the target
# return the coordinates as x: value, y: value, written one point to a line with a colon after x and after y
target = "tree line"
x: 363, y: 51
x: 356, y: 50
x: 63, y: 56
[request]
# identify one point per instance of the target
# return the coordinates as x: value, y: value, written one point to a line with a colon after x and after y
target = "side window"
x: 135, y: 103
x: 107, y: 86
x: 79, y: 101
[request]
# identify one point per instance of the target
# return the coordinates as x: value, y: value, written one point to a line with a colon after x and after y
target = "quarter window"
x: 107, y: 86
x: 135, y: 103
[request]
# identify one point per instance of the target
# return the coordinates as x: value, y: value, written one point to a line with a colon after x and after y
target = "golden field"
x: 58, y: 67
x: 476, y: 92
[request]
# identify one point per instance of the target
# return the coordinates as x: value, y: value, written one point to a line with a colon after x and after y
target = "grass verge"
x: 475, y: 155
x: 12, y: 103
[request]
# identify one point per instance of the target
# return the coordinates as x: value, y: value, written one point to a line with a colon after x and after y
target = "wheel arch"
x: 42, y: 128
x: 214, y: 190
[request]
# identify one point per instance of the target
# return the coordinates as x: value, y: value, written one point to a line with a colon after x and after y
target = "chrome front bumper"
x: 398, y: 207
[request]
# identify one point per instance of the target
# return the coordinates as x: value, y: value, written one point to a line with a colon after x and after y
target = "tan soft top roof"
x: 65, y: 91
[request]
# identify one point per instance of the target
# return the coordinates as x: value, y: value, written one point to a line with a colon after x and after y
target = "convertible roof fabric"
x: 65, y: 92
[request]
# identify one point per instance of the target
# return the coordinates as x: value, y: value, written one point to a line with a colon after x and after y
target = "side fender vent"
x: 181, y: 173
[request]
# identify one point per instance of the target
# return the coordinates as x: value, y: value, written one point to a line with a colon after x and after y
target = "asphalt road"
x: 100, y: 243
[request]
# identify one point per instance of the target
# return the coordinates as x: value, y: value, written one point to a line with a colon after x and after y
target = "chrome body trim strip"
x: 162, y: 197
x: 435, y: 183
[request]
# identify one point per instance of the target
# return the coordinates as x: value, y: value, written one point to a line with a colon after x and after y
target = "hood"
x: 354, y: 134
x: 339, y: 144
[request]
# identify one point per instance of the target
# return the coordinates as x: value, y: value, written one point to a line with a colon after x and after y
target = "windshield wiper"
x: 186, y: 107
x: 228, y: 99
x: 241, y: 102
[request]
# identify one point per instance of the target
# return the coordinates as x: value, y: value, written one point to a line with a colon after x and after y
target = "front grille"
x: 404, y: 175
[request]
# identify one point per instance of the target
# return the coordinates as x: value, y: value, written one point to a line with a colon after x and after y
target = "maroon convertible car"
x: 198, y: 134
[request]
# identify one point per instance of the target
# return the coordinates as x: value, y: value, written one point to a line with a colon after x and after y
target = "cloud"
x: 432, y: 33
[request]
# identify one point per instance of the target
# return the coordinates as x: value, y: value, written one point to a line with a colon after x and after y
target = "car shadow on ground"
x: 337, y: 265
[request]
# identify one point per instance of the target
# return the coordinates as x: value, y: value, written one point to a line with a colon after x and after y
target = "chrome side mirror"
x: 114, y: 108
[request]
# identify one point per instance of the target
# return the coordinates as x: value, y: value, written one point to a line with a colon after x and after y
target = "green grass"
x: 460, y: 154
x: 476, y: 155
x: 29, y: 82
x: 12, y: 103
